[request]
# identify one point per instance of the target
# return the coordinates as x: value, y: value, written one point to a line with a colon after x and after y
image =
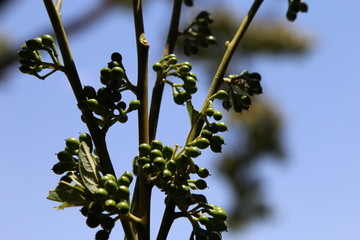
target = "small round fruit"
x: 110, y: 205
x: 129, y: 175
x: 203, y: 172
x: 107, y: 177
x: 123, y: 207
x: 202, y: 143
x: 159, y: 163
x: 203, y: 219
x: 105, y: 73
x: 192, y: 152
x: 95, y: 208
x: 210, y: 111
x: 116, y: 57
x: 72, y: 143
x: 148, y: 168
x: 111, y: 186
x: 167, y: 152
x: 141, y: 161
x: 47, y: 40
x: 171, y: 165
x: 101, y: 194
x: 221, y: 94
x: 200, y: 184
x: 64, y: 156
x: 155, y: 153
x: 217, y: 115
x: 84, y: 211
x: 218, y: 213
x: 167, y: 175
x: 102, y: 235
x: 134, y: 105
x: 92, y: 221
x: 156, y: 144
x: 123, y: 180
x: 221, y: 126
x: 144, y: 149
x: 123, y: 193
x: 117, y: 73
x: 107, y: 222
x: 59, y: 168
x: 157, y: 67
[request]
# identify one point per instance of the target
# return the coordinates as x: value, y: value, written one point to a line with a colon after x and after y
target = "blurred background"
x: 290, y: 168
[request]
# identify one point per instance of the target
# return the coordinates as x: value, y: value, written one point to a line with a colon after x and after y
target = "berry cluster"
x: 31, y: 60
x: 295, y: 6
x: 68, y: 158
x: 240, y: 88
x: 169, y: 66
x: 198, y: 34
x: 111, y: 198
x: 213, y: 218
x: 169, y: 169
x: 106, y: 101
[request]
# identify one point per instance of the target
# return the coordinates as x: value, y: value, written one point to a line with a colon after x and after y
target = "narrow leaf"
x: 88, y: 168
x: 68, y: 194
x: 193, y: 113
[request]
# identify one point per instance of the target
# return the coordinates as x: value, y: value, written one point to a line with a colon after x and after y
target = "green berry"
x: 59, y: 168
x: 129, y: 175
x: 134, y: 105
x: 123, y: 180
x: 102, y: 235
x: 203, y: 219
x: 101, y: 194
x: 221, y: 94
x: 64, y: 156
x: 123, y: 192
x: 167, y: 152
x: 171, y: 165
x: 200, y: 184
x: 159, y: 163
x: 111, y: 186
x: 156, y: 144
x: 202, y: 143
x: 157, y: 67
x: 221, y: 126
x: 167, y: 175
x: 218, y: 139
x: 155, y: 153
x: 107, y: 177
x: 116, y: 57
x: 209, y: 111
x: 203, y: 172
x: 93, y: 104
x: 72, y: 143
x: 47, y: 40
x: 85, y: 137
x: 218, y: 213
x: 217, y: 115
x: 123, y: 207
x: 192, y: 152
x: 89, y: 92
x: 105, y: 73
x: 95, y: 208
x: 123, y: 118
x: 117, y: 73
x: 206, y: 134
x: 141, y: 161
x: 110, y: 205
x: 190, y: 82
x: 107, y: 222
x: 92, y: 221
x: 34, y: 44
x: 148, y: 168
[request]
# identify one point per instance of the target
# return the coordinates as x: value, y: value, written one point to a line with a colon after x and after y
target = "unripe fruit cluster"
x: 111, y: 198
x: 240, y: 89
x: 198, y: 34
x: 214, y: 219
x: 295, y: 6
x: 30, y: 57
x: 167, y: 67
x: 106, y: 101
x: 68, y: 157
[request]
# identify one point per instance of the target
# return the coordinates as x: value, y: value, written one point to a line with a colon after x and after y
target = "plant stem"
x: 143, y: 187
x: 159, y: 85
x: 70, y: 70
x: 219, y: 75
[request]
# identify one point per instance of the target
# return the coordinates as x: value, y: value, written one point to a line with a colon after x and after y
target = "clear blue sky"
x: 315, y: 195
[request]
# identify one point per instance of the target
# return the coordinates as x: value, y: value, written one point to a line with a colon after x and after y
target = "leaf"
x: 88, y: 168
x: 68, y: 194
x: 193, y: 113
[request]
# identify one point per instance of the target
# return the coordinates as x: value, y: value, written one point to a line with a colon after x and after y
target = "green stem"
x: 142, y: 194
x: 74, y: 80
x: 219, y: 75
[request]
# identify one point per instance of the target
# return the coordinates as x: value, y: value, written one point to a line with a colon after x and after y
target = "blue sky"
x: 315, y: 194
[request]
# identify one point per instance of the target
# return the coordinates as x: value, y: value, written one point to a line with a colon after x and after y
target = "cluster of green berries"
x: 30, y: 56
x: 68, y: 158
x: 198, y: 34
x: 110, y: 199
x: 169, y: 66
x: 213, y: 218
x: 240, y: 89
x: 106, y: 101
x: 295, y: 6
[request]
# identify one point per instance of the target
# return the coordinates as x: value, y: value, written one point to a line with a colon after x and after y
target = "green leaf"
x: 88, y: 168
x: 193, y: 113
x: 68, y: 194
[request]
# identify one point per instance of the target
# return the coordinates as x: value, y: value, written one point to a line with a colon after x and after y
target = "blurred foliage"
x: 258, y: 130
